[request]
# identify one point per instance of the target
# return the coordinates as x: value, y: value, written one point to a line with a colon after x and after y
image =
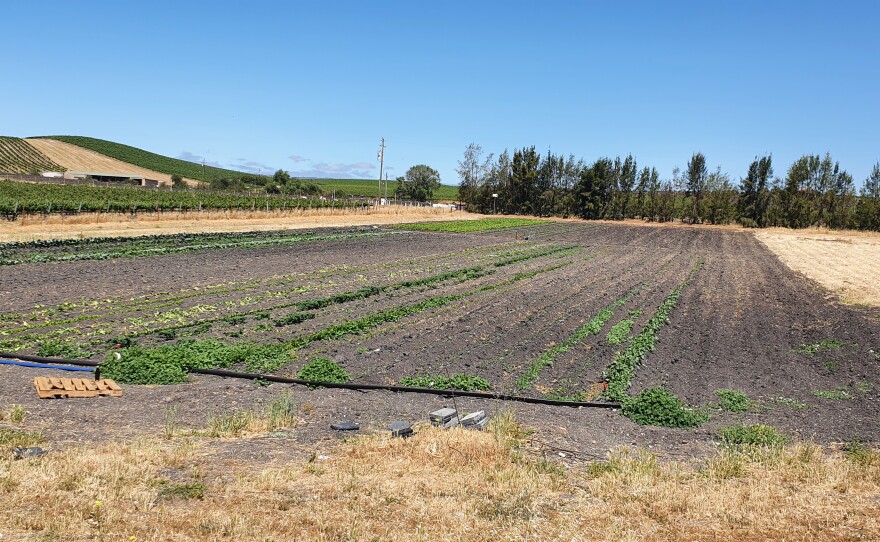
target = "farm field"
x: 696, y: 311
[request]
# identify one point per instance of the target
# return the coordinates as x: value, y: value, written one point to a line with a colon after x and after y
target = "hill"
x: 146, y: 159
x: 92, y: 154
x: 17, y: 156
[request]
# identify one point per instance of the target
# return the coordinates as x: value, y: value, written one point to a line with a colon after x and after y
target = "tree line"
x: 814, y: 192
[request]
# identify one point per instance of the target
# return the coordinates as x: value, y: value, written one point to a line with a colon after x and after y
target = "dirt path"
x: 119, y: 225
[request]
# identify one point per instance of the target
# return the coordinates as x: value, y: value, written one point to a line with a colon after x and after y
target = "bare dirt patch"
x: 847, y: 263
x: 77, y: 158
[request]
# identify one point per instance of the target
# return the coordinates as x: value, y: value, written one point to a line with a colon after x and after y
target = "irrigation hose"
x: 44, y: 366
x: 344, y: 386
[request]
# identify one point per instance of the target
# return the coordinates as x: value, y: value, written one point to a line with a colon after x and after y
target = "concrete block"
x: 442, y: 416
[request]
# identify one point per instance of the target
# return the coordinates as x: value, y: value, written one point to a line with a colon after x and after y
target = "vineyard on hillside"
x: 16, y: 156
x: 31, y: 198
x: 148, y: 160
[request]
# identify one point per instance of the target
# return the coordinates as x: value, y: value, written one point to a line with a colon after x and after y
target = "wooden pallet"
x: 48, y: 387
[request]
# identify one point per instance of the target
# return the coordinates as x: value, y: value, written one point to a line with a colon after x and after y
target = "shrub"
x: 323, y: 370
x: 657, y: 406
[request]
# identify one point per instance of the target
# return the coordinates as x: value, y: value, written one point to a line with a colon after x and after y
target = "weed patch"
x: 733, y: 401
x: 750, y: 435
x: 839, y: 394
x: 454, y: 382
x: 14, y: 438
x: 815, y: 348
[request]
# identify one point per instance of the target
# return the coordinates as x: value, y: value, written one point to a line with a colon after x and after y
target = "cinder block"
x: 473, y: 418
x: 442, y: 416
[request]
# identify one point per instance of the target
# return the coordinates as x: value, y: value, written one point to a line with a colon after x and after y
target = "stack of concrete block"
x: 448, y: 418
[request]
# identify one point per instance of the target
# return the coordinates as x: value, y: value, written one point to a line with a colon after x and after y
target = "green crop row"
x: 621, y: 372
x: 593, y: 327
x: 147, y: 365
x: 163, y: 245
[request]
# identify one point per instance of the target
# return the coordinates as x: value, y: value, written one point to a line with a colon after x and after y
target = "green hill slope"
x: 16, y: 156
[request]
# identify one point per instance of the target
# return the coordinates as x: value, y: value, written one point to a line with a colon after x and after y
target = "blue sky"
x: 311, y: 87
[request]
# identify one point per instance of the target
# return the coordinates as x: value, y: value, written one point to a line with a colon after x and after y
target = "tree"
x: 754, y: 198
x: 178, y: 182
x: 470, y: 173
x: 696, y: 175
x: 419, y: 183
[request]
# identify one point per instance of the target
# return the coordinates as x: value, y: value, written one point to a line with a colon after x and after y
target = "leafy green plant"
x: 750, y: 435
x: 593, y: 327
x: 59, y: 349
x: 621, y: 372
x: 454, y: 382
x: 658, y: 406
x: 733, y: 401
x: 293, y: 318
x: 323, y: 370
x: 619, y: 332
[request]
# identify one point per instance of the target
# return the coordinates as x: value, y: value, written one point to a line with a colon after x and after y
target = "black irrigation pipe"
x: 345, y: 386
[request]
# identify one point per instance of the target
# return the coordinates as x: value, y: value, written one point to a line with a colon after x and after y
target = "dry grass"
x: 77, y: 158
x: 847, y: 263
x: 438, y: 485
x: 121, y: 225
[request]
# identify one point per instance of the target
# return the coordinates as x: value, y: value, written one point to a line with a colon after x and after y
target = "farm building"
x: 112, y: 177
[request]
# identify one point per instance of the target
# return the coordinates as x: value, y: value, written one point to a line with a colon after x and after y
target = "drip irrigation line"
x: 344, y: 386
x: 54, y: 361
x: 44, y: 366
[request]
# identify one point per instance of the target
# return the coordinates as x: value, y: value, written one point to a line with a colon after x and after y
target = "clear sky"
x: 311, y: 87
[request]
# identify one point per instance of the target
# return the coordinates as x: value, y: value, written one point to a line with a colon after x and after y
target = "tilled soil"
x: 735, y: 327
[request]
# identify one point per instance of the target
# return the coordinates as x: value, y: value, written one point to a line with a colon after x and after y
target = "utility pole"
x: 381, y: 158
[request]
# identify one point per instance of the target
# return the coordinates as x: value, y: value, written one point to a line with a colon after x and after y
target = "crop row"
x: 592, y: 327
x: 17, y: 198
x: 17, y: 156
x: 169, y: 363
x: 19, y: 253
x: 619, y: 375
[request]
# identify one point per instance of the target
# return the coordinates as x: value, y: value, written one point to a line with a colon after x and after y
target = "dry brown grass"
x: 122, y: 225
x: 437, y: 485
x: 77, y: 158
x: 847, y: 263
